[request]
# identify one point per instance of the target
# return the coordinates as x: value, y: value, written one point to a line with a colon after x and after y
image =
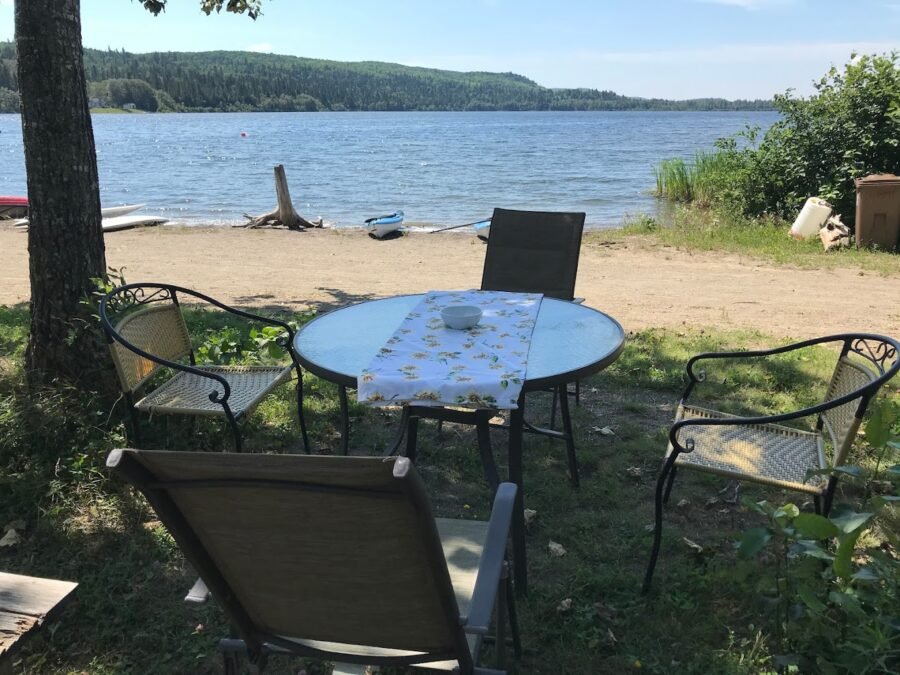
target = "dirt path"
x: 640, y: 286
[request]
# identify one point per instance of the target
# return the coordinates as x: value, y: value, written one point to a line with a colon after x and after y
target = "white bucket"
x: 811, y: 218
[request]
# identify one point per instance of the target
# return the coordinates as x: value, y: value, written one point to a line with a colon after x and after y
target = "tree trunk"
x: 285, y: 213
x: 65, y: 240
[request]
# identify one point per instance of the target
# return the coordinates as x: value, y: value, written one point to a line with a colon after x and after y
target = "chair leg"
x: 829, y: 496
x: 578, y: 392
x: 483, y: 429
x: 300, y: 415
x: 234, y: 429
x: 135, y: 420
x: 394, y: 447
x: 569, y: 434
x: 511, y: 613
x: 412, y: 437
x: 669, y: 484
x: 501, y: 621
x: 345, y: 420
x: 657, y: 531
x: 553, y: 405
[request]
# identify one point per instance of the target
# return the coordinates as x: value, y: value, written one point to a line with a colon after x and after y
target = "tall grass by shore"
x: 698, y: 181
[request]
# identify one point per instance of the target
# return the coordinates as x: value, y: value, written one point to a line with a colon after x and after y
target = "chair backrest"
x: 310, y: 548
x: 533, y: 252
x: 866, y: 362
x: 157, y: 329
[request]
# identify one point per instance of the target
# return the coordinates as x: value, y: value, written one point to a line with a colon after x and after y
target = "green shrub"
x: 848, y: 129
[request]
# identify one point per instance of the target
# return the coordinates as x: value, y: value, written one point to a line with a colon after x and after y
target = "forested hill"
x: 246, y: 81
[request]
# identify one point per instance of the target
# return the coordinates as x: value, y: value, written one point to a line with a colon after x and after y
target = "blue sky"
x: 671, y: 49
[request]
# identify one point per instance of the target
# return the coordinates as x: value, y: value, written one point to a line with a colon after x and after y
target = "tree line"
x: 245, y: 81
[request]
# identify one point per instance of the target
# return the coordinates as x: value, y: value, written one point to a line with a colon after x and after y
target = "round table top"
x: 570, y: 341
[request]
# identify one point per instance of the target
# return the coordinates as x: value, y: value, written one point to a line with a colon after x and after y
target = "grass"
x: 116, y: 111
x: 695, y: 228
x: 695, y: 181
x: 705, y: 615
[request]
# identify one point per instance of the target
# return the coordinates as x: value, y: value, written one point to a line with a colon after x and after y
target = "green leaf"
x: 851, y: 522
x: 811, y: 549
x: 808, y: 596
x: 878, y: 429
x: 849, y: 470
x: 784, y: 514
x: 814, y: 526
x: 866, y: 574
x: 753, y: 541
x: 843, y: 559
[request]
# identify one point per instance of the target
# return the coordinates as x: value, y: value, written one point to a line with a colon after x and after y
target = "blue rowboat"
x: 382, y: 225
x: 483, y: 229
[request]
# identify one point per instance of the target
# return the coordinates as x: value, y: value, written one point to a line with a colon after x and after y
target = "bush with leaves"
x: 849, y: 128
x: 836, y: 582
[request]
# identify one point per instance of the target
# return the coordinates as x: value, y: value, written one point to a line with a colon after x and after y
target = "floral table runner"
x: 426, y: 363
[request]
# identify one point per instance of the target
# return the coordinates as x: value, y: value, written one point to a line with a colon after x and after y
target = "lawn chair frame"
x: 880, y: 353
x: 129, y: 298
x: 255, y: 641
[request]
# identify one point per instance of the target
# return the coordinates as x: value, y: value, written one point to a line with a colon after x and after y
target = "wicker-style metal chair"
x: 538, y: 252
x: 336, y: 558
x: 147, y: 334
x: 761, y: 449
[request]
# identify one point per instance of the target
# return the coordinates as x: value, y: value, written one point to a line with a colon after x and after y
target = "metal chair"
x: 761, y: 449
x: 538, y: 252
x: 533, y: 252
x: 146, y: 332
x: 335, y: 558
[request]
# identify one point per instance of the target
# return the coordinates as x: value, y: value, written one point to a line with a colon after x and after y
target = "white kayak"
x: 383, y: 225
x: 116, y: 211
x: 128, y: 222
x: 105, y: 213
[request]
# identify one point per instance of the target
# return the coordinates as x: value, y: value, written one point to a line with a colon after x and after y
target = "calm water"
x: 441, y: 168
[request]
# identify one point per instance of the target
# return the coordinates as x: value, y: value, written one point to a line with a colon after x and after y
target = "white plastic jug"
x: 811, y: 218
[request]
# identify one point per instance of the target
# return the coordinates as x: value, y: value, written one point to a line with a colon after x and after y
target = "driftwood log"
x: 284, y: 214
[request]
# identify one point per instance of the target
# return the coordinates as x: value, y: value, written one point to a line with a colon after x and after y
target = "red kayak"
x: 13, y: 207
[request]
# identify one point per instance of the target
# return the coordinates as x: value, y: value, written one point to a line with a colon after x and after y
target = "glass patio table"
x: 570, y: 341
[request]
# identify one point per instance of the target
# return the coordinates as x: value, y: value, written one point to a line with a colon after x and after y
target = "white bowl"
x: 460, y: 317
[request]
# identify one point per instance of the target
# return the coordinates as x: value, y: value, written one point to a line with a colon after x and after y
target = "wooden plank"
x: 14, y: 627
x: 25, y: 604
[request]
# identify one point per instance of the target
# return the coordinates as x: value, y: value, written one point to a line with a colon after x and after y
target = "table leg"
x: 345, y: 420
x: 516, y: 424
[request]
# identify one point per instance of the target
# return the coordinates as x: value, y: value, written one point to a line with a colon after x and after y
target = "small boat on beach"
x: 113, y: 223
x: 13, y: 207
x: 483, y: 229
x: 108, y: 212
x: 380, y: 226
x: 127, y: 222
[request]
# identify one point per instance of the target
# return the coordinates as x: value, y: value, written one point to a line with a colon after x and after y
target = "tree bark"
x: 65, y: 239
x: 285, y: 213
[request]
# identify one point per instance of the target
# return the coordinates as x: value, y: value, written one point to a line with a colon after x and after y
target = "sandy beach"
x: 641, y: 286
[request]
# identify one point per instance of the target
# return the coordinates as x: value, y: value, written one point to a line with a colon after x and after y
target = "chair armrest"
x: 489, y: 569
x: 757, y: 353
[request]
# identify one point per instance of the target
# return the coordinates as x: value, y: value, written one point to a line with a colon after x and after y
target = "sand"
x: 640, y: 285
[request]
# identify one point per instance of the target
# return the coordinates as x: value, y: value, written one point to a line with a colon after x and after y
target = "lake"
x: 441, y: 168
